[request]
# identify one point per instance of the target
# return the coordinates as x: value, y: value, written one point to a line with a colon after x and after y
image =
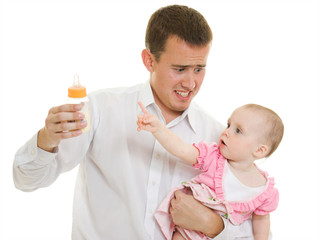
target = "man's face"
x: 177, y: 77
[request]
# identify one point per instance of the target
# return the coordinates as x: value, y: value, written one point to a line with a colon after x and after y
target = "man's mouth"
x: 183, y: 94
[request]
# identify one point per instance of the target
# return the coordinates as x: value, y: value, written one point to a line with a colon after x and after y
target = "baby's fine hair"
x: 276, y: 127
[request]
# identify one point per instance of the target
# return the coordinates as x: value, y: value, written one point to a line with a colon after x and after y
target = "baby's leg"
x: 177, y: 236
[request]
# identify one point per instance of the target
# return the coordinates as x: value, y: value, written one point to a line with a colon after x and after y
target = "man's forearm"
x: 212, y: 224
x: 189, y: 213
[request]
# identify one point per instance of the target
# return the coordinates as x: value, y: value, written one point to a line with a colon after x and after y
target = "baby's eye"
x: 238, y: 130
x: 228, y: 125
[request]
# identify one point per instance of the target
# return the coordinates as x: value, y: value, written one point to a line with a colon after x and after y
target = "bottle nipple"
x: 76, y: 90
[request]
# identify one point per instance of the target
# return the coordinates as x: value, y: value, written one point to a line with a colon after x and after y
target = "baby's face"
x: 244, y: 133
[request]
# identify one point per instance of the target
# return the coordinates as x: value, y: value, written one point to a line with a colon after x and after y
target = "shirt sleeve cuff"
x: 30, y: 152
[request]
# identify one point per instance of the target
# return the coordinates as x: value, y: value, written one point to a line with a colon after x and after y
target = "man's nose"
x: 189, y: 81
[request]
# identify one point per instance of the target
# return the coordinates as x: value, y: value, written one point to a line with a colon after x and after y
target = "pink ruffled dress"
x: 208, y: 188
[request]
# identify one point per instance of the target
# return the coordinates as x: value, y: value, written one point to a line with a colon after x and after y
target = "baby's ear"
x: 261, y: 151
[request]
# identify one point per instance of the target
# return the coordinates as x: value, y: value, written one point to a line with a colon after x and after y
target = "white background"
x: 266, y: 52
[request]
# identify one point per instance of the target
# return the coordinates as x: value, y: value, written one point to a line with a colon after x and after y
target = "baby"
x: 230, y: 182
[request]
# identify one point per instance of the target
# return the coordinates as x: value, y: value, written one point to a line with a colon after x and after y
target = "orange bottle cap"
x: 77, y: 91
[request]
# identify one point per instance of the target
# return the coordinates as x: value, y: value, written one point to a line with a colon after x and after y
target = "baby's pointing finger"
x: 140, y: 118
x: 143, y: 108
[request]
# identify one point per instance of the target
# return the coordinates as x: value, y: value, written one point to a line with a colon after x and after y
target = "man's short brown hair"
x: 176, y: 20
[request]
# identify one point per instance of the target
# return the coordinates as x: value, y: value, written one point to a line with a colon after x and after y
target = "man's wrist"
x: 41, y: 140
x: 213, y: 225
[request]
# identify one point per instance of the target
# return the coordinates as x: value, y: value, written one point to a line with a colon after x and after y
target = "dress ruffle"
x: 211, y: 194
x: 262, y: 204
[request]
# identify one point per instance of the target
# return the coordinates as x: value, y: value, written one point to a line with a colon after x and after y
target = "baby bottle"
x: 77, y: 94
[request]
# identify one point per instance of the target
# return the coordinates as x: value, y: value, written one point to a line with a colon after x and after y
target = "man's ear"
x: 147, y: 59
x: 261, y: 151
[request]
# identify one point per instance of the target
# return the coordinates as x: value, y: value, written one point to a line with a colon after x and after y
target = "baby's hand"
x: 147, y: 121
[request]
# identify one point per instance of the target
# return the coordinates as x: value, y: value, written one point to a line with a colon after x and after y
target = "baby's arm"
x: 261, y: 226
x: 171, y: 142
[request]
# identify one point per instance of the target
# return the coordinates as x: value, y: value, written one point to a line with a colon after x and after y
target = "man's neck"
x: 167, y: 113
x: 170, y: 116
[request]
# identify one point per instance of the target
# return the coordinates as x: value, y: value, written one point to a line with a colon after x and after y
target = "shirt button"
x: 150, y: 211
x: 33, y: 152
x: 158, y: 156
x: 154, y: 183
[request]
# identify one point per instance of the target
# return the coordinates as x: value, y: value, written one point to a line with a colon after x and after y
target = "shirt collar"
x: 192, y: 116
x: 147, y: 98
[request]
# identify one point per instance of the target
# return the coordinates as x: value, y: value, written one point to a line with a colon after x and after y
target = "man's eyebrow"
x: 185, y: 66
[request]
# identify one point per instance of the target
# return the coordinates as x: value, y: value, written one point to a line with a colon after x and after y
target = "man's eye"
x: 198, y: 70
x: 180, y: 69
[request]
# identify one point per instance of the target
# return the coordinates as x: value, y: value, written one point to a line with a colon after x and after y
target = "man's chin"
x: 180, y: 107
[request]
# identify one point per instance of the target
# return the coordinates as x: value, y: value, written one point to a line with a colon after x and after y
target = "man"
x: 124, y: 175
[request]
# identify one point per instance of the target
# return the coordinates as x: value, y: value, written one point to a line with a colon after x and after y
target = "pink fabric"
x: 207, y: 187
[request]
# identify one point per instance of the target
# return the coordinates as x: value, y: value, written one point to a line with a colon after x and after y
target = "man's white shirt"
x: 123, y: 174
